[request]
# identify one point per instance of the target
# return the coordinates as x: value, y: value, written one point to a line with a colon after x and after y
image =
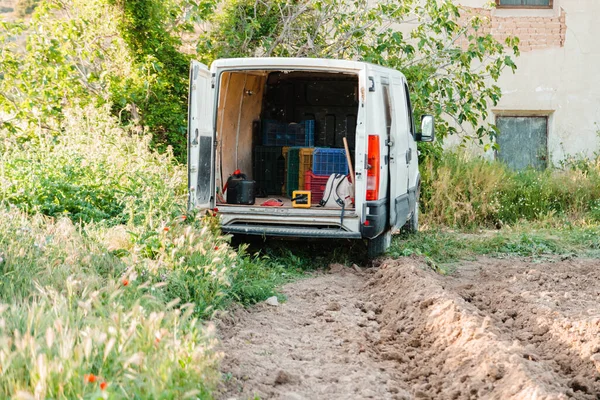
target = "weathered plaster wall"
x: 558, y: 71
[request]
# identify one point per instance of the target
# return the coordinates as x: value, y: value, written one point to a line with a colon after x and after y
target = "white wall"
x: 561, y: 82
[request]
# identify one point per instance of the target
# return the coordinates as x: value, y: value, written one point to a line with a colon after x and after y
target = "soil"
x: 495, y: 329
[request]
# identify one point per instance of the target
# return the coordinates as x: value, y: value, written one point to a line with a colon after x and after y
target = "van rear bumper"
x: 376, y: 213
x: 290, y: 222
x: 289, y: 231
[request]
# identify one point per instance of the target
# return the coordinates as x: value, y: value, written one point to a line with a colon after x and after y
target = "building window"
x: 523, y: 141
x: 524, y: 3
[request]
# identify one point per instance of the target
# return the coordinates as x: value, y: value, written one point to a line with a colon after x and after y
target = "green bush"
x: 93, y: 171
x: 464, y: 191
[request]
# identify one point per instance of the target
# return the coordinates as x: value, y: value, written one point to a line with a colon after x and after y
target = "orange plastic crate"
x: 306, y: 163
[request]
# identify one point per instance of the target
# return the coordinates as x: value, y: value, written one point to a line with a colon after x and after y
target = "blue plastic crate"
x: 302, y: 133
x: 282, y: 134
x: 329, y: 161
x: 274, y: 133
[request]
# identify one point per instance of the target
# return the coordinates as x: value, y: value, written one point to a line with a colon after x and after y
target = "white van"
x: 248, y: 116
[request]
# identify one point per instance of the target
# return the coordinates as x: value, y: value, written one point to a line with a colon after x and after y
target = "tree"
x: 125, y: 53
x: 449, y: 58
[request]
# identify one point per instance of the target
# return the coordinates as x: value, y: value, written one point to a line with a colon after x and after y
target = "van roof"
x: 292, y: 63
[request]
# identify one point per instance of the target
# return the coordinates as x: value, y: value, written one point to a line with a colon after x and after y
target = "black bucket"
x: 240, y: 190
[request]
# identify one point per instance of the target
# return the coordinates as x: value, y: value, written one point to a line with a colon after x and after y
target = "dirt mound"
x: 498, y: 329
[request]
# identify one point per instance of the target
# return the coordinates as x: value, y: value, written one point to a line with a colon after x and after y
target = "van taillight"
x: 373, y: 171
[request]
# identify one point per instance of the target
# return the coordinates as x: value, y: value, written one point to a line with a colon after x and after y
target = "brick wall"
x: 533, y: 32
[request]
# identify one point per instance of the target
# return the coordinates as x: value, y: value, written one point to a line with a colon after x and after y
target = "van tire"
x: 379, y: 245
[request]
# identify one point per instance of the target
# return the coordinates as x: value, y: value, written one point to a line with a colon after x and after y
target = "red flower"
x: 125, y: 282
x: 166, y: 229
x: 90, y: 378
x: 183, y: 217
x: 103, y: 385
x: 216, y: 247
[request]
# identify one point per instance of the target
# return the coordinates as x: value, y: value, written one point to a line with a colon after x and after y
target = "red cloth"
x: 273, y: 203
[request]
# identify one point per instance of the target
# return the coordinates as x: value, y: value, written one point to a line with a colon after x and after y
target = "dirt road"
x: 497, y: 329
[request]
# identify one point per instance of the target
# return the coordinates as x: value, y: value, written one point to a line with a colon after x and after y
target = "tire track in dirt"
x: 498, y: 329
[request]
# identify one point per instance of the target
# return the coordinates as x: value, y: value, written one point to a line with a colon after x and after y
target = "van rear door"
x: 400, y: 156
x: 200, y: 138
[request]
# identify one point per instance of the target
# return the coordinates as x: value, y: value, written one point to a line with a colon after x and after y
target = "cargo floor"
x: 287, y: 203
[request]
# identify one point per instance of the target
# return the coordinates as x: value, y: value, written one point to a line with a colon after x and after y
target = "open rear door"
x: 200, y: 138
x: 400, y: 156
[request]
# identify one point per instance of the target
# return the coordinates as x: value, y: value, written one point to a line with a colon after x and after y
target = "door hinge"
x: 408, y: 155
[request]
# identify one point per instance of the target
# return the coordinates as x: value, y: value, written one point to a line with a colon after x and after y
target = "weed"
x: 445, y: 248
x: 468, y: 192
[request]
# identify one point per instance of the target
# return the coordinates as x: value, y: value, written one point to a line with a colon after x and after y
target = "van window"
x: 387, y: 106
x: 410, y: 112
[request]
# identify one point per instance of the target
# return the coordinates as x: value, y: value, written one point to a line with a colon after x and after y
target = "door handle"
x: 408, y: 155
x: 195, y: 140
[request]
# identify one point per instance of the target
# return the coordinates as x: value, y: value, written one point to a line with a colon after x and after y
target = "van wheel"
x: 379, y: 245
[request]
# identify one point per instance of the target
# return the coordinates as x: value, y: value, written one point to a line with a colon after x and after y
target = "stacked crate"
x: 270, y: 162
x: 268, y: 167
x: 283, y: 134
x: 306, y: 163
x: 288, y: 161
x: 324, y: 163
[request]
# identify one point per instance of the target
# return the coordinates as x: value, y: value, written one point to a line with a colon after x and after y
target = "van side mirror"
x: 427, y: 133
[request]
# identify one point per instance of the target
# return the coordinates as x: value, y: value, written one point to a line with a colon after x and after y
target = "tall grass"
x: 92, y: 170
x: 106, y: 281
x: 103, y: 276
x: 76, y: 321
x: 467, y: 192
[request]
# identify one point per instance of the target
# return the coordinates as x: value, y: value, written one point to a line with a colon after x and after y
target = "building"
x: 550, y: 108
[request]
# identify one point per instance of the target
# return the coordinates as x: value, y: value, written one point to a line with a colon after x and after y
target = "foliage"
x: 448, y: 57
x: 92, y: 171
x: 81, y: 52
x: 70, y: 310
x: 151, y: 30
x: 467, y: 191
x: 445, y: 248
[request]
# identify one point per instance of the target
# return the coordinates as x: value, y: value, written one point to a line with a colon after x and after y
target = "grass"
x: 444, y: 248
x: 470, y: 193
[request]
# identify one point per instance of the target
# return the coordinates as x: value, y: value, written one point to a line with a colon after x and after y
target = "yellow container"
x: 306, y: 163
x: 301, y: 199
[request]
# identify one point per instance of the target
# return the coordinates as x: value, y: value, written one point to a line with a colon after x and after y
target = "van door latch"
x: 389, y: 142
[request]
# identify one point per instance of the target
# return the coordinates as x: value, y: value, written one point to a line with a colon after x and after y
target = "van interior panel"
x: 240, y: 103
x: 331, y: 100
x: 248, y: 98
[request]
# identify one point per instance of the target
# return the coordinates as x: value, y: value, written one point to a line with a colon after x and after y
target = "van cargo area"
x: 284, y: 130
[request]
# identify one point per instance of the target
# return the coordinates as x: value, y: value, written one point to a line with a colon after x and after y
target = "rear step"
x: 290, y: 231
